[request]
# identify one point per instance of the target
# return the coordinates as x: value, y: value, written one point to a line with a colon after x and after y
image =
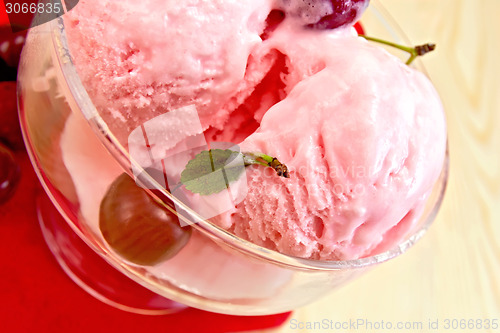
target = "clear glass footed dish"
x: 80, y: 159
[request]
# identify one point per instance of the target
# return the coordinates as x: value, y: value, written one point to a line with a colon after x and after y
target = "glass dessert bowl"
x: 78, y: 158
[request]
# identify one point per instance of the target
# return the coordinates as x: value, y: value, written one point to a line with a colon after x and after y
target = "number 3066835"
x: 33, y: 8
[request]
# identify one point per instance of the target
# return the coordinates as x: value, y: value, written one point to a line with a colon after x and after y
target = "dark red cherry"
x: 344, y: 12
x: 10, y: 131
x: 11, y: 45
x: 9, y: 174
x: 7, y: 73
x: 325, y: 14
x: 137, y: 227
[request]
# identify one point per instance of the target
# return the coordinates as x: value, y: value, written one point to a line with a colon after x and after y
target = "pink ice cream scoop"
x: 362, y: 134
x: 364, y: 138
x: 140, y: 60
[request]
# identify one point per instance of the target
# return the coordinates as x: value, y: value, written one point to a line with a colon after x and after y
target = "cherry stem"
x: 256, y: 158
x: 414, y: 52
x: 266, y: 160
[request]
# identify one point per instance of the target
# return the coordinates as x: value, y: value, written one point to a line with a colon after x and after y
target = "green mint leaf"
x: 211, y: 171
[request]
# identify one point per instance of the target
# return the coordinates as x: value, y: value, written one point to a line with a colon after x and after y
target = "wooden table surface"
x: 453, y: 274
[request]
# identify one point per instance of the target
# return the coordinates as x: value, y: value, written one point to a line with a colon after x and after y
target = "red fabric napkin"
x: 37, y: 296
x: 4, y: 19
